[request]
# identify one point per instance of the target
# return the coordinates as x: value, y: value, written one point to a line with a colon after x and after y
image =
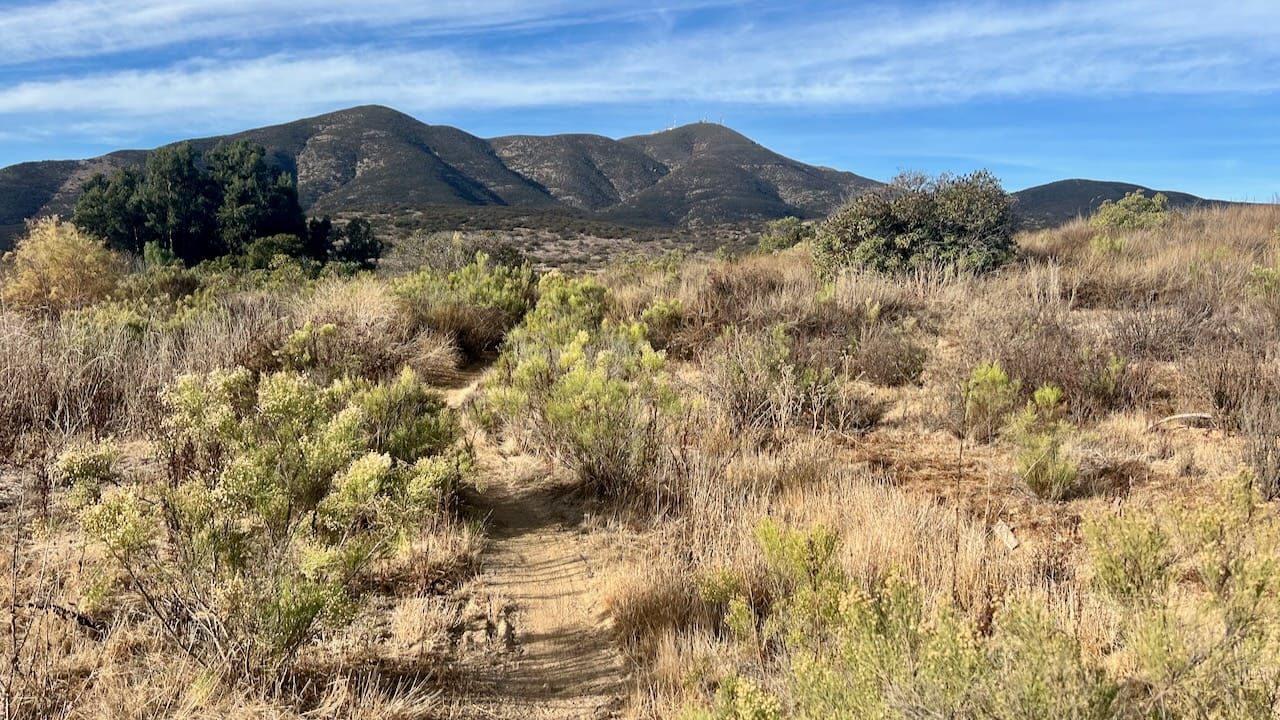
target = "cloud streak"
x: 76, y: 28
x: 893, y: 60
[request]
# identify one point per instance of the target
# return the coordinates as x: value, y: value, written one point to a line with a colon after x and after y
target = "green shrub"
x: 261, y: 252
x: 1134, y: 211
x: 403, y: 418
x: 588, y: 392
x: 963, y: 221
x: 1044, y: 346
x: 1194, y: 600
x: 1106, y: 244
x: 840, y: 651
x: 988, y: 399
x: 87, y: 468
x: 157, y: 281
x: 739, y: 699
x: 784, y: 233
x: 280, y: 493
x: 476, y: 304
x: 1130, y: 556
x: 1196, y: 594
x: 662, y: 319
x: 1038, y: 432
x: 303, y: 349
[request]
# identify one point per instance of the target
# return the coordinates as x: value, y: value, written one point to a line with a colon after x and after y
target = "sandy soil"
x: 545, y: 650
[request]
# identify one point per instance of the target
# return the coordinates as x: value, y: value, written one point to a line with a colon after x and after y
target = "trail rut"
x: 551, y: 655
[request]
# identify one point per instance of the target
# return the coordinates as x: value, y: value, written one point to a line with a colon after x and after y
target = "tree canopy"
x: 960, y: 220
x: 201, y: 207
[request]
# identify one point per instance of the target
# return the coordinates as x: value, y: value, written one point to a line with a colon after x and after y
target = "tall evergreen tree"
x: 196, y: 213
x: 244, y: 184
x: 112, y: 210
x: 255, y: 202
x: 283, y: 214
x: 319, y: 238
x: 358, y: 244
x: 180, y: 203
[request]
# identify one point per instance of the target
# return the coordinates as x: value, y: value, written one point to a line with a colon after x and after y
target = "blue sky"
x: 1172, y: 94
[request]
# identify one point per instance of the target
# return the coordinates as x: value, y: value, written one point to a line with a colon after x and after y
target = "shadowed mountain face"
x: 1057, y: 202
x: 375, y: 157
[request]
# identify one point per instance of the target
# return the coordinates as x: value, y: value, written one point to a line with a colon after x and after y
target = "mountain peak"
x: 373, y: 156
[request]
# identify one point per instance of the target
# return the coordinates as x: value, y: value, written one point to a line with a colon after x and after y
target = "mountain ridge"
x: 375, y: 157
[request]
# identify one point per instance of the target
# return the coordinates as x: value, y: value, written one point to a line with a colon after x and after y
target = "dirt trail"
x: 554, y: 655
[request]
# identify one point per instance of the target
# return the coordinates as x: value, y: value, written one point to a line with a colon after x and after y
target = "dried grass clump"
x: 372, y: 336
x: 1047, y: 345
x: 1199, y: 259
x: 761, y: 387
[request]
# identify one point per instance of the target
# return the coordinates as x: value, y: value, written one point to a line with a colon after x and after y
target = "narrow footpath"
x: 549, y: 654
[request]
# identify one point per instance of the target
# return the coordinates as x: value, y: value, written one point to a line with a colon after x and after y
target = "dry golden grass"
x: 907, y: 498
x: 901, y: 499
x: 1200, y: 257
x: 373, y: 333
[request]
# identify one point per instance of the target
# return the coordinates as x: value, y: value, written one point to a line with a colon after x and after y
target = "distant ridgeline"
x: 257, y: 183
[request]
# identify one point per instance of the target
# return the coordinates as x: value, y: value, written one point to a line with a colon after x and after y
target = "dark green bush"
x: 964, y: 221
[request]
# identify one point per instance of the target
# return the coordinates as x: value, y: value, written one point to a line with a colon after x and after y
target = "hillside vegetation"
x: 891, y: 482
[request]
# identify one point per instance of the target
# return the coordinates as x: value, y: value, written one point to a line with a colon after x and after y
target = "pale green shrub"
x: 1106, y: 244
x: 662, y: 319
x: 836, y: 650
x: 280, y: 493
x: 1131, y: 558
x: 738, y: 698
x: 305, y: 347
x: 1195, y: 596
x: 1134, y: 211
x: 588, y: 392
x: 476, y: 304
x: 87, y: 468
x: 988, y: 398
x: 1038, y: 431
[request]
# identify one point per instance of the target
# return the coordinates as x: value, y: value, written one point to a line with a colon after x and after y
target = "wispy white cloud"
x: 85, y: 28
x: 851, y: 58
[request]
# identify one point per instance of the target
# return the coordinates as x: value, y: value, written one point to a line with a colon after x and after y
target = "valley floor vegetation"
x: 814, y: 481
